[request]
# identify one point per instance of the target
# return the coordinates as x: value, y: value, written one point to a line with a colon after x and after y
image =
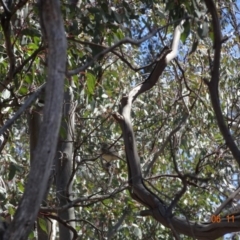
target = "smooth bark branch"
x: 46, y: 147
x: 213, y: 84
x: 177, y: 34
x: 138, y: 190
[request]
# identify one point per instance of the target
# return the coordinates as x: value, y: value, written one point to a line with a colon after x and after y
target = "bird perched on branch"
x: 109, y: 154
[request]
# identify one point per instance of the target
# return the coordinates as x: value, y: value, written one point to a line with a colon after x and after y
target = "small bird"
x: 109, y: 154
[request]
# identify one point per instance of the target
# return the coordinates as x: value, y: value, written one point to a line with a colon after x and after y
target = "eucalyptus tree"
x: 170, y: 110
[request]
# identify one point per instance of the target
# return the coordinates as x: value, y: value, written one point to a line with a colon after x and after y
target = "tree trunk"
x: 28, y: 208
x: 64, y: 164
x: 34, y: 122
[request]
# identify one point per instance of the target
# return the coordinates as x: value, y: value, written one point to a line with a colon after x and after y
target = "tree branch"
x: 27, y: 103
x: 123, y: 41
x: 229, y: 199
x: 139, y: 191
x: 213, y: 84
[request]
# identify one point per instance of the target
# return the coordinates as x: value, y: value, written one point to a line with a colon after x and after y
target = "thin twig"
x: 123, y: 41
x: 27, y: 103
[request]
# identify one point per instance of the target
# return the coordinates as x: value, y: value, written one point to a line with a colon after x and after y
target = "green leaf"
x: 28, y: 78
x: 119, y: 34
x: 94, y: 10
x: 20, y: 187
x: 43, y: 224
x: 117, y: 17
x: 12, y: 172
x: 194, y: 46
x: 32, y: 46
x: 211, y: 35
x: 30, y: 32
x: 186, y: 32
x: 63, y: 132
x: 169, y: 5
x: 91, y: 80
x: 31, y: 235
x: 11, y: 210
x: 23, y: 90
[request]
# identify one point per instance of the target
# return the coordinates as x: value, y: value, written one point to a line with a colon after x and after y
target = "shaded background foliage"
x: 180, y: 101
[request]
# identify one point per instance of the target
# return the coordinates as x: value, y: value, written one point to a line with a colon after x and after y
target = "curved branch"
x: 176, y: 38
x: 110, y: 49
x: 213, y: 84
x: 140, y: 192
x: 121, y: 57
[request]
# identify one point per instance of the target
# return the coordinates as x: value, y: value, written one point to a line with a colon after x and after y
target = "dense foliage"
x: 183, y: 154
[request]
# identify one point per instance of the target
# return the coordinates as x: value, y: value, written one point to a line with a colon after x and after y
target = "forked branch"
x: 138, y: 190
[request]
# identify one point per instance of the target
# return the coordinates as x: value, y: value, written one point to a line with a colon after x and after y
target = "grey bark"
x: 34, y: 123
x: 64, y: 165
x: 46, y: 147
